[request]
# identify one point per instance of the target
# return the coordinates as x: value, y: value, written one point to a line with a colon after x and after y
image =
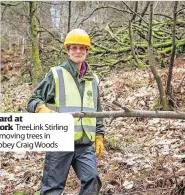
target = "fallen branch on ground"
x: 132, y: 113
x: 128, y: 113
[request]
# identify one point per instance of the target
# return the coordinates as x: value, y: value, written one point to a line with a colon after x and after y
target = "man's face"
x: 77, y: 53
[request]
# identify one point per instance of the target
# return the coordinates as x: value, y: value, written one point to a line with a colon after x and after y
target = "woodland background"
x: 138, y: 51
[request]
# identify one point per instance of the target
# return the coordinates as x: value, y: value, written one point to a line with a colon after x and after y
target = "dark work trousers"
x: 56, y: 169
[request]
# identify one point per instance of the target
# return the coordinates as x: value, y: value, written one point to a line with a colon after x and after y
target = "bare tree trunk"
x: 135, y: 10
x: 144, y: 11
x: 37, y: 70
x: 69, y: 18
x: 157, y: 77
x: 131, y: 44
x: 170, y: 70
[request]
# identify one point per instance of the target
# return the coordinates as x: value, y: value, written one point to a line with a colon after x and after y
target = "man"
x: 72, y: 87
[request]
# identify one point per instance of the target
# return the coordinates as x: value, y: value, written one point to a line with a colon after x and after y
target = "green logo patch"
x: 89, y: 93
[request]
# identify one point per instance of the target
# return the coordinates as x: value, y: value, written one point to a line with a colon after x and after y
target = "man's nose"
x: 78, y: 49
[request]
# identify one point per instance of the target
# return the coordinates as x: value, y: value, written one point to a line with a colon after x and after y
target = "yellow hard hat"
x: 77, y: 36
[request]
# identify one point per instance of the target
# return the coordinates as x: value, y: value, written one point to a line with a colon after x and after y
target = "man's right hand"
x: 43, y: 109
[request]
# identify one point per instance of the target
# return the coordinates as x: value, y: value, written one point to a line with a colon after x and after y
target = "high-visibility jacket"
x: 68, y: 99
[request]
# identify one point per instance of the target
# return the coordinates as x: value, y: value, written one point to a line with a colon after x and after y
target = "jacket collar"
x: 71, y: 67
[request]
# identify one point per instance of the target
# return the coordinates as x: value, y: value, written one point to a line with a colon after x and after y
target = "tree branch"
x: 69, y: 17
x: 10, y: 3
x: 144, y: 11
x: 131, y: 113
x: 121, y: 106
x: 183, y: 78
x: 103, y: 7
x: 134, y: 12
x: 178, y: 12
x: 51, y: 34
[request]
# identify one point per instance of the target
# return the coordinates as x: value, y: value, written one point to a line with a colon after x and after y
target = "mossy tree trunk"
x: 163, y: 98
x: 170, y: 71
x: 37, y: 71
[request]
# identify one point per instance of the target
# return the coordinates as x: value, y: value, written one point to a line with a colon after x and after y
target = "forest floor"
x: 142, y: 156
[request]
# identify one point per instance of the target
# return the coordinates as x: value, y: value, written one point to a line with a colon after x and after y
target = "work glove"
x: 99, y: 145
x: 43, y: 109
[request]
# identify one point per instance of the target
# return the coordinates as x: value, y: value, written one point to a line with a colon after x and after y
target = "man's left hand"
x: 99, y: 145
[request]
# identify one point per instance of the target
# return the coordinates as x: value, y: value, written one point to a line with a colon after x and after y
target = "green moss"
x: 157, y: 105
x: 165, y: 51
x: 158, y: 78
x: 180, y: 43
x: 125, y: 38
x: 20, y: 193
x: 141, y: 65
x: 113, y: 142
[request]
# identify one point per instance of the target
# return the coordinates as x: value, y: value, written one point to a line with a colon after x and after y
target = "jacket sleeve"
x: 44, y: 93
x: 99, y: 121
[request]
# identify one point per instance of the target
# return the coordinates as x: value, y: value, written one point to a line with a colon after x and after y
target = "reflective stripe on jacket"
x: 68, y: 99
